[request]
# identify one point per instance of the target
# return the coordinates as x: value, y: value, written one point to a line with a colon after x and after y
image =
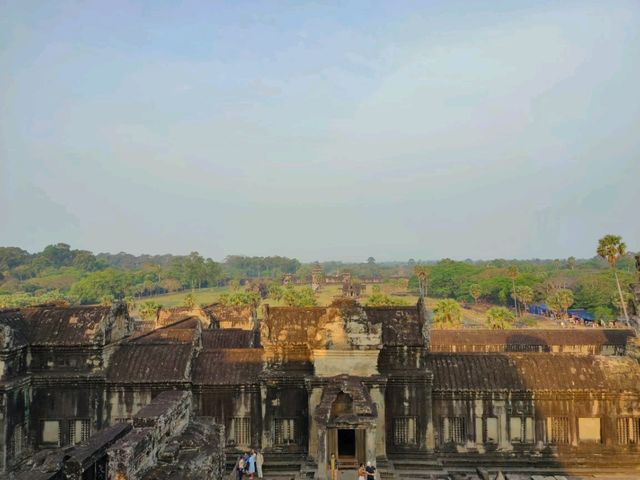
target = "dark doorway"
x: 346, y: 443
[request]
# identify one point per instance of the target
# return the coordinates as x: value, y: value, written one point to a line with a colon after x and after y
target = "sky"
x: 320, y: 130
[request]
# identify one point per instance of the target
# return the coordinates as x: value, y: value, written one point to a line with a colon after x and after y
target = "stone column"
x: 500, y: 411
x: 266, y: 427
x: 427, y: 440
x: 315, y: 395
x: 371, y: 444
x: 377, y: 397
x: 321, y: 452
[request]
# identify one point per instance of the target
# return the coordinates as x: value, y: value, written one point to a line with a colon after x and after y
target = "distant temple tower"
x: 317, y: 278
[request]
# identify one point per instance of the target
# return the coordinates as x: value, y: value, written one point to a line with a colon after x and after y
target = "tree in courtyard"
x: 380, y: 299
x: 189, y: 301
x: 106, y: 300
x: 560, y: 301
x: 130, y: 302
x: 447, y: 314
x: 149, y: 310
x: 612, y: 248
x: 475, y: 291
x: 240, y: 298
x: 512, y: 272
x: 299, y: 297
x: 499, y: 318
x: 275, y: 292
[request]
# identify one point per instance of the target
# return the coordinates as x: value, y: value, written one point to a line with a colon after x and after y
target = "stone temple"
x: 86, y: 393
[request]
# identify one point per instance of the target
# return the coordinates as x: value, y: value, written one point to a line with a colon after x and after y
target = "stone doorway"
x: 346, y: 444
x: 349, y: 445
x: 344, y: 423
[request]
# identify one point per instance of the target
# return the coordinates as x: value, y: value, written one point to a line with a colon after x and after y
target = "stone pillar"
x: 500, y: 411
x: 427, y: 439
x: 377, y: 397
x: 371, y: 443
x: 265, y: 441
x: 321, y: 453
x: 315, y: 395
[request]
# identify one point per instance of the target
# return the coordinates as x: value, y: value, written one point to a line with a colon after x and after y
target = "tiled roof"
x: 227, y: 338
x: 228, y: 367
x: 138, y: 362
x: 186, y: 322
x: 576, y: 336
x: 166, y: 335
x: 533, y: 371
x: 15, y: 332
x: 64, y: 326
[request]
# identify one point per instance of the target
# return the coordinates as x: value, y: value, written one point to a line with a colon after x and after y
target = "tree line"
x: 79, y: 276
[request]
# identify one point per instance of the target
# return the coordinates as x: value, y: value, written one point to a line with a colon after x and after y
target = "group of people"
x: 249, y: 464
x: 364, y: 473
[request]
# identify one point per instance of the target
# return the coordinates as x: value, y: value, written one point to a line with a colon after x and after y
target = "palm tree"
x: 475, y: 291
x: 422, y: 272
x: 571, y: 263
x: 524, y: 295
x: 499, y: 318
x: 611, y: 248
x: 447, y: 313
x: 512, y: 272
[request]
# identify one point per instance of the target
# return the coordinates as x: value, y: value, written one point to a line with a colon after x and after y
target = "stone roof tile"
x: 228, y: 367
x: 227, y: 338
x: 138, y: 362
x: 533, y: 372
x: 442, y: 339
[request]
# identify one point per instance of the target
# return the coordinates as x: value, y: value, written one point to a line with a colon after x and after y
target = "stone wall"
x: 168, y: 442
x: 166, y: 416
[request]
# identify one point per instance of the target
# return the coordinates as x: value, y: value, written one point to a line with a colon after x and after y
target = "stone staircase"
x: 386, y: 470
x: 412, y: 466
x: 420, y: 466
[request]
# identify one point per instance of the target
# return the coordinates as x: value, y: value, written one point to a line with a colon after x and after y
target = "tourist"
x: 251, y: 467
x: 371, y: 471
x: 333, y: 467
x: 240, y: 468
x: 361, y: 472
x: 259, y: 462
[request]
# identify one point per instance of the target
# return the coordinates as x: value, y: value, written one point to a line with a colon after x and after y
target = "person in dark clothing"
x: 371, y: 471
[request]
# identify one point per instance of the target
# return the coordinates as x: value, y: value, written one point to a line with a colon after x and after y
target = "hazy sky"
x: 321, y: 130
